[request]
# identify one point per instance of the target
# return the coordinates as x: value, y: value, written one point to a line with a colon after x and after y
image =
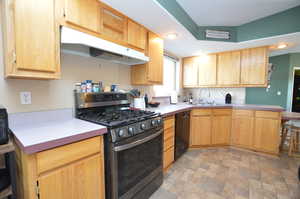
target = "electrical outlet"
x: 278, y: 92
x: 25, y: 97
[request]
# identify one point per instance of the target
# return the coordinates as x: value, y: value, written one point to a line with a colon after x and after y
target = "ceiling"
x: 233, y: 12
x: 153, y: 16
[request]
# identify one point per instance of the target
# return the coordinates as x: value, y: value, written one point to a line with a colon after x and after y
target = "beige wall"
x: 56, y: 94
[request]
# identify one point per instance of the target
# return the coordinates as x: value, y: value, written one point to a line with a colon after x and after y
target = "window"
x: 170, y: 78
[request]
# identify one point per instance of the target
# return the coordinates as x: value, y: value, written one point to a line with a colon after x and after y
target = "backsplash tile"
x: 217, y: 95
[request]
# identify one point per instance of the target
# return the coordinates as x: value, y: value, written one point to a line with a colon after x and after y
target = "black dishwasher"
x: 182, y: 133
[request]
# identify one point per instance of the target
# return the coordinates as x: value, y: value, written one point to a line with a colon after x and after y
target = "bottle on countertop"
x: 191, y: 99
x: 146, y: 101
x: 89, y: 86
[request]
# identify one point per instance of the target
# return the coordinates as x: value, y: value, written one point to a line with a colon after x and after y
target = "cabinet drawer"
x: 249, y: 113
x: 168, y: 157
x: 169, y: 133
x: 221, y: 111
x: 169, y: 143
x: 197, y: 112
x: 169, y: 122
x: 63, y: 155
x: 267, y: 114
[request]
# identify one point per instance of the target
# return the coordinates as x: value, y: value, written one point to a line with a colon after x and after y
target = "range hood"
x: 79, y: 43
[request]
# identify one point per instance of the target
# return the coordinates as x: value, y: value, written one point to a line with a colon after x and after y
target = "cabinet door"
x: 35, y: 42
x: 200, y: 130
x: 113, y: 25
x: 190, y: 72
x: 221, y: 127
x: 84, y: 13
x: 156, y: 54
x: 266, y: 134
x: 207, y: 72
x: 242, y: 131
x: 254, y: 63
x: 229, y: 64
x: 83, y: 179
x: 137, y: 35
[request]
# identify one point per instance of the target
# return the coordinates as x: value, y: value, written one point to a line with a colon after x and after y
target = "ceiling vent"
x: 215, y: 34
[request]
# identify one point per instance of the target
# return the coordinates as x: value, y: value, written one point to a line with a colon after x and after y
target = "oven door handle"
x: 138, y: 142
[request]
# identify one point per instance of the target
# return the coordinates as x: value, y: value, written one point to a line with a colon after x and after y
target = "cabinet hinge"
x: 37, y: 190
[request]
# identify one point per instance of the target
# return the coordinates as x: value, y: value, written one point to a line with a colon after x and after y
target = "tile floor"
x: 230, y: 174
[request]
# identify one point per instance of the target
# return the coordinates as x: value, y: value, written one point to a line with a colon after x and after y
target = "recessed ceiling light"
x: 281, y: 46
x: 172, y: 36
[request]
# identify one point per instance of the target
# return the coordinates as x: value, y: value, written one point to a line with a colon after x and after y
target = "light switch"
x: 278, y: 92
x: 25, y: 97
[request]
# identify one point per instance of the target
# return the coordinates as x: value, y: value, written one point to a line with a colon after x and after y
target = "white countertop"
x: 39, y: 131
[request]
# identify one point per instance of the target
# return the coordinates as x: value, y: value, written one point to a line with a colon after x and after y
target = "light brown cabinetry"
x: 242, y: 128
x: 190, y: 72
x: 169, y: 139
x: 113, y: 25
x: 243, y: 68
x: 31, y: 39
x: 221, y: 126
x: 229, y: 64
x: 72, y: 171
x: 207, y: 69
x: 254, y: 66
x: 137, y: 35
x: 200, y: 127
x: 83, y: 13
x: 266, y: 134
x: 75, y: 181
x: 151, y: 72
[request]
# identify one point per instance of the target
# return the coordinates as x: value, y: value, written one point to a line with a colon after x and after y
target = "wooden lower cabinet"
x: 242, y: 131
x: 72, y: 171
x: 200, y: 130
x: 169, y: 141
x: 266, y: 135
x: 78, y: 180
x: 221, y: 128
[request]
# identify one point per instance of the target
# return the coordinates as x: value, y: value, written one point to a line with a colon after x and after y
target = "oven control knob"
x: 130, y: 130
x: 153, y: 122
x: 121, y: 133
x: 143, y: 126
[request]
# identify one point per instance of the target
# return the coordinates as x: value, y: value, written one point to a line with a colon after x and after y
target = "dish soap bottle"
x: 191, y: 99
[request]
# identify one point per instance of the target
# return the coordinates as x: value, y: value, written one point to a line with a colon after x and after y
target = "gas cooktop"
x: 112, y: 118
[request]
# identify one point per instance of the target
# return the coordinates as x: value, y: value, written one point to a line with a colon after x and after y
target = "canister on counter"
x: 89, y: 86
x: 101, y: 89
x: 95, y: 88
x: 83, y: 87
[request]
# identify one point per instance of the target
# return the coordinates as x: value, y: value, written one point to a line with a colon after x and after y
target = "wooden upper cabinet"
x: 31, y: 39
x: 190, y: 72
x: 254, y: 65
x: 152, y: 72
x: 113, y: 25
x: 207, y: 69
x: 137, y: 35
x: 83, y: 13
x: 156, y: 55
x: 229, y: 64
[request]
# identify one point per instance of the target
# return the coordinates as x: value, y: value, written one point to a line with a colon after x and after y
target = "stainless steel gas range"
x: 133, y: 145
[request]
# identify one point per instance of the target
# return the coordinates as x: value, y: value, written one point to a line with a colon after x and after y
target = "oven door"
x: 137, y: 163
